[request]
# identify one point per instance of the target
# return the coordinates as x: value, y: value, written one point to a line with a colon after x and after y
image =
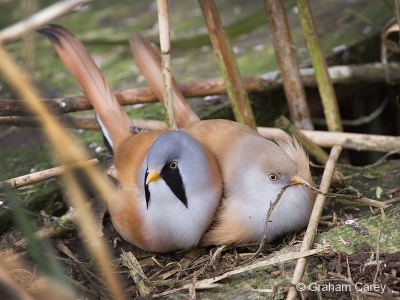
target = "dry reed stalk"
x: 325, y: 86
x: 165, y: 46
x: 314, y: 220
x: 227, y: 63
x: 67, y: 151
x: 39, y: 19
x: 46, y: 174
x: 285, y: 55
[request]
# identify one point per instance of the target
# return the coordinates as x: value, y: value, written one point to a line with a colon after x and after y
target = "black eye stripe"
x: 146, y: 189
x: 173, y: 179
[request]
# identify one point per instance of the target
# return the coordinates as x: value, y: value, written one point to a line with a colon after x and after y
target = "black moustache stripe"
x: 173, y: 179
x: 146, y: 190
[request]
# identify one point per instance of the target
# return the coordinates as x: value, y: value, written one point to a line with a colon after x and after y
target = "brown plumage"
x: 150, y: 64
x: 161, y: 175
x: 254, y: 170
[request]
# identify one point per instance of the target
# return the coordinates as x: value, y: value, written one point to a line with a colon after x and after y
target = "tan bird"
x: 254, y: 170
x: 169, y: 185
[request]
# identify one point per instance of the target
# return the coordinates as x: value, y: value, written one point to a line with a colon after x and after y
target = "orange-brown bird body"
x: 254, y: 171
x: 169, y: 185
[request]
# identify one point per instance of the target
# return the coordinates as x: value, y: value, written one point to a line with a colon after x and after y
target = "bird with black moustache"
x: 169, y: 185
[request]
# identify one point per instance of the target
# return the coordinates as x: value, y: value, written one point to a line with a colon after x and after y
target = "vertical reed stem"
x: 227, y: 64
x: 166, y: 61
x: 325, y: 86
x: 314, y: 219
x: 285, y: 55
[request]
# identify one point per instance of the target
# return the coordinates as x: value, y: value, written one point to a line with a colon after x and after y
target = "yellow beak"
x: 298, y: 179
x: 152, y: 176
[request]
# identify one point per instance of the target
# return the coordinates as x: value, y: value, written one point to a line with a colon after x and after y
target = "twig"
x: 20, y: 181
x: 271, y: 81
x: 271, y: 208
x: 285, y: 55
x: 362, y: 120
x: 217, y: 255
x: 325, y: 85
x: 314, y: 219
x: 391, y: 201
x: 380, y: 161
x: 136, y: 272
x: 85, y: 271
x: 378, y: 265
x: 166, y: 61
x: 227, y: 64
x: 39, y: 19
x: 56, y: 229
x: 358, y: 200
x: 352, y: 141
x: 79, y: 122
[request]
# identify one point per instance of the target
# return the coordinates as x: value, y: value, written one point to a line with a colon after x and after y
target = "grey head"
x: 178, y: 159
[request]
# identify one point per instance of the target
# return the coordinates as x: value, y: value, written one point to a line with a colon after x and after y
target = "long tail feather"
x: 94, y: 86
x: 148, y: 61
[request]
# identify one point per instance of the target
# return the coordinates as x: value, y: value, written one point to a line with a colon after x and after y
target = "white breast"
x: 169, y: 224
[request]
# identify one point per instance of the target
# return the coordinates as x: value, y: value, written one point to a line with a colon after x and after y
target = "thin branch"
x: 79, y: 122
x: 285, y: 55
x: 362, y: 120
x: 378, y: 265
x: 314, y: 219
x: 166, y: 61
x: 21, y: 181
x: 359, y: 201
x: 39, y: 19
x: 56, y: 229
x: 227, y: 64
x: 272, y: 81
x: 351, y: 141
x: 270, y: 210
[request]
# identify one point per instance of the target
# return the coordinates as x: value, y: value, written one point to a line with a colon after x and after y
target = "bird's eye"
x: 273, y: 177
x: 173, y: 164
